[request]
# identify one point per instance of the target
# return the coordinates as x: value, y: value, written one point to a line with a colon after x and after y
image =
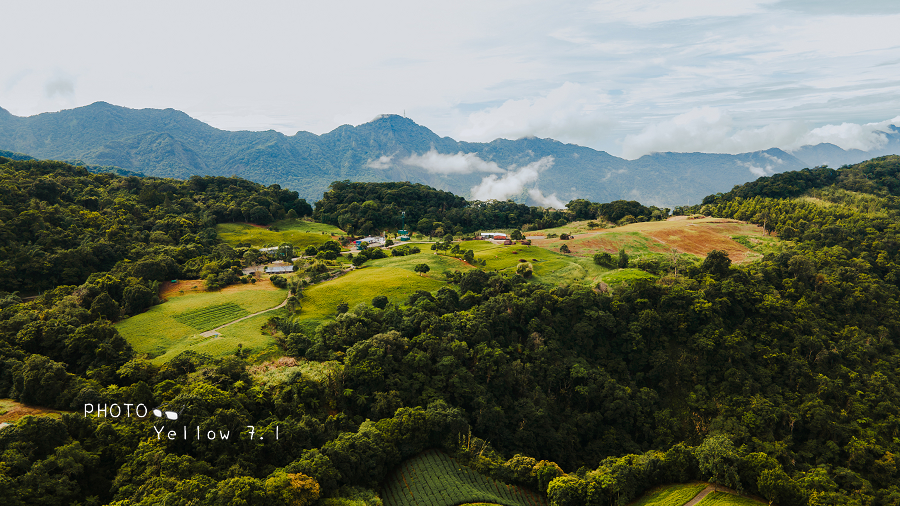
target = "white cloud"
x: 512, y: 183
x: 757, y: 170
x: 851, y: 135
x: 383, y: 162
x: 569, y: 113
x: 711, y: 130
x: 773, y: 158
x: 546, y: 200
x: 460, y: 163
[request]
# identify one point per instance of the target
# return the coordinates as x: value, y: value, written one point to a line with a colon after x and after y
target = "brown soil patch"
x: 701, y: 238
x: 695, y: 236
x: 11, y: 411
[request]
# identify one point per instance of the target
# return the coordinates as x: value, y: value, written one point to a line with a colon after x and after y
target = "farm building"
x: 493, y: 235
x: 371, y: 241
x: 280, y: 269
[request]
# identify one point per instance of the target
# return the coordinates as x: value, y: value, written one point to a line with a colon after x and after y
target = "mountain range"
x: 169, y: 143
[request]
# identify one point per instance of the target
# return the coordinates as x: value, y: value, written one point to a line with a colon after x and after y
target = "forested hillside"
x: 778, y: 378
x: 365, y: 207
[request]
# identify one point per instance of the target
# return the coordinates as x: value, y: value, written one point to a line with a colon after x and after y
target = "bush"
x: 380, y: 301
x: 278, y: 281
x: 623, y: 259
x: 603, y: 259
x: 525, y: 270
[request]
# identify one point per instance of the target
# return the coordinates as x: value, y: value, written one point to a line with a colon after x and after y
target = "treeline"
x: 59, y: 224
x: 364, y: 208
x: 618, y: 211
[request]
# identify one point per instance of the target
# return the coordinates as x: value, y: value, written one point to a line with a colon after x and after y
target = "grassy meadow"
x: 550, y: 267
x: 670, y: 495
x: 167, y: 329
x: 392, y: 277
x: 297, y: 232
x: 726, y: 499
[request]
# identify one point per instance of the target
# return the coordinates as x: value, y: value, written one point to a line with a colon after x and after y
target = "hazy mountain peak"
x: 391, y: 147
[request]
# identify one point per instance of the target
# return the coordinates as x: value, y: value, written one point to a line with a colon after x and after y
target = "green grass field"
x: 549, y: 266
x: 297, y: 232
x: 575, y: 227
x: 392, y: 277
x: 670, y: 495
x: 434, y: 479
x: 619, y: 276
x: 175, y: 326
x: 726, y: 499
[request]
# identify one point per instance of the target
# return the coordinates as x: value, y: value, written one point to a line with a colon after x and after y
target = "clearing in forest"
x: 167, y: 329
x: 670, y: 495
x: 297, y: 232
x: 742, y: 241
x: 434, y: 479
x: 727, y: 499
x: 11, y: 411
x: 393, y: 277
x: 698, y: 493
x: 549, y: 267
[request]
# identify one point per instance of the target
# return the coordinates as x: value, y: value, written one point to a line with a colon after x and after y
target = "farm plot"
x: 434, y: 479
x: 210, y: 317
x: 166, y: 329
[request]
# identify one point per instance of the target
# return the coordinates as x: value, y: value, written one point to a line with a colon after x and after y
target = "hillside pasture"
x: 166, y: 329
x: 550, y: 267
x: 742, y: 241
x: 434, y: 479
x: 727, y: 499
x: 392, y: 277
x: 574, y: 227
x: 670, y: 495
x: 297, y: 232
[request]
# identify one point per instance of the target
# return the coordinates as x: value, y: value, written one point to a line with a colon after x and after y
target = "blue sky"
x: 625, y: 76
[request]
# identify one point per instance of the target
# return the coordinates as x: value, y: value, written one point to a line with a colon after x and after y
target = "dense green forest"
x: 778, y: 378
x: 362, y: 208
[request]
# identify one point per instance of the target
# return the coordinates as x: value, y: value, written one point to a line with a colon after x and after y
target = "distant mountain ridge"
x: 169, y: 143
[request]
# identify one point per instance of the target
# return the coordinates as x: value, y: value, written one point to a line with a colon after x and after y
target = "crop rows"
x: 434, y: 479
x: 210, y: 317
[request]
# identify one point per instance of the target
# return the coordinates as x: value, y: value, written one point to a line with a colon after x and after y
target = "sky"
x: 628, y: 77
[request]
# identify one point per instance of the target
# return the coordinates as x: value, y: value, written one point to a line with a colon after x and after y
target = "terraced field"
x: 210, y: 317
x: 434, y: 479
